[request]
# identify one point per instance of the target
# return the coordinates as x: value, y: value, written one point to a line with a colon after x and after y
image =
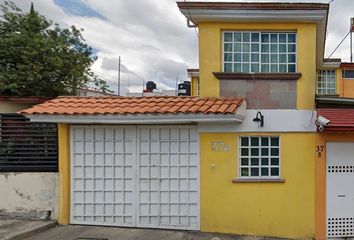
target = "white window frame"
x: 260, y: 52
x: 327, y: 81
x: 259, y: 177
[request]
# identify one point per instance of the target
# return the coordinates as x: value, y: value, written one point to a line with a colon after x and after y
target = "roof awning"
x: 138, y: 110
x: 341, y: 120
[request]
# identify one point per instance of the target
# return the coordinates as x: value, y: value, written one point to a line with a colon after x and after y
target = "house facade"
x: 245, y: 154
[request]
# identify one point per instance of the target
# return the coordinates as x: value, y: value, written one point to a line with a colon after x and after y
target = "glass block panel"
x: 274, y: 141
x: 274, y: 171
x: 274, y: 68
x: 291, y: 38
x: 274, y: 151
x: 254, y: 68
x: 282, y: 48
x: 254, y: 161
x: 244, y: 172
x: 245, y: 68
x: 255, y: 37
x: 291, y: 48
x: 244, y: 151
x: 282, y: 67
x: 228, y: 47
x: 254, y: 152
x: 264, y: 58
x: 246, y: 37
x: 292, y: 68
x: 237, y: 37
x: 237, y: 47
x: 265, y: 152
x: 246, y: 47
x: 265, y: 161
x: 264, y: 172
x: 273, y: 58
x: 282, y: 38
x: 237, y: 57
x: 237, y: 67
x: 228, y: 37
x: 255, y: 47
x: 274, y: 38
x: 291, y: 58
x: 254, y: 57
x: 254, y: 172
x: 227, y: 57
x: 246, y: 57
x: 264, y: 141
x: 264, y: 68
x: 254, y: 141
x: 265, y: 38
x: 244, y: 161
x: 273, y: 48
x: 282, y: 58
x: 228, y: 67
x: 244, y: 141
x: 274, y: 161
x: 265, y: 48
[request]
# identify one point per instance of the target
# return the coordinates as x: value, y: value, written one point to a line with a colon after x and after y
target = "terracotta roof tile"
x: 135, y: 105
x: 341, y: 120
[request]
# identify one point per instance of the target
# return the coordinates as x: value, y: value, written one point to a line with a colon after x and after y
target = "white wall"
x: 28, y: 195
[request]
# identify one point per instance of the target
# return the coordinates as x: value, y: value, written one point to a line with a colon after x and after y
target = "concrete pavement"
x: 11, y: 229
x: 76, y: 232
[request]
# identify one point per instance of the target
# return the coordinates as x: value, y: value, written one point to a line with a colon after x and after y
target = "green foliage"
x: 38, y: 58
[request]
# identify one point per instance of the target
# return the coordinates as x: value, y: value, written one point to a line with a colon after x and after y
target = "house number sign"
x: 219, y: 147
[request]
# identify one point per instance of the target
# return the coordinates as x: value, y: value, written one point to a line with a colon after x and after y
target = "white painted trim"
x: 275, y: 120
x: 141, y: 118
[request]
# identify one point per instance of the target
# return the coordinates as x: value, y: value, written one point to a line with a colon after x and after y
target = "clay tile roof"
x: 135, y: 105
x: 340, y: 119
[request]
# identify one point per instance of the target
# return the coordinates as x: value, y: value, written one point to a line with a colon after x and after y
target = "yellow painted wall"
x: 64, y: 173
x: 339, y: 82
x: 210, y: 55
x: 262, y: 209
x: 194, y: 86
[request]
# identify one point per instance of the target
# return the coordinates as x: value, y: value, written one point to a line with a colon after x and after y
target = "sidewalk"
x: 11, y: 229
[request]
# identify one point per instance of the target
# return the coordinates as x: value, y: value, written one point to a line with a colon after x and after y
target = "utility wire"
x: 330, y: 1
x: 339, y: 44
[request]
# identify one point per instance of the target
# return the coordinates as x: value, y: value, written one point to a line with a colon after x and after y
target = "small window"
x: 259, y: 157
x: 326, y: 82
x: 348, y: 74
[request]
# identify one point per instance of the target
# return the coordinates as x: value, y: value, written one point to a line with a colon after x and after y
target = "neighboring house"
x: 152, y: 93
x: 264, y: 161
x: 92, y: 92
x: 28, y: 162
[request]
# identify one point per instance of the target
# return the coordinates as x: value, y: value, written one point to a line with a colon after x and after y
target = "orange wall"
x: 320, y: 178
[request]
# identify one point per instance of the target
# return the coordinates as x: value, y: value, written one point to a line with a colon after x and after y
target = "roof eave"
x: 318, y: 16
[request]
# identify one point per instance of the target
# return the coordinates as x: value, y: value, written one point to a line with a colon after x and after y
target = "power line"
x: 330, y: 1
x: 339, y: 44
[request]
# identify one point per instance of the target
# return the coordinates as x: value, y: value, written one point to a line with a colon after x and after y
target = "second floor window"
x: 326, y: 82
x: 259, y: 52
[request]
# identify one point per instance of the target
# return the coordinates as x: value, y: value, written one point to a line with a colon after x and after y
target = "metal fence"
x: 27, y: 146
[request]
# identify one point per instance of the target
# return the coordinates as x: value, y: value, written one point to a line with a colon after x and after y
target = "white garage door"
x: 145, y: 176
x: 340, y: 190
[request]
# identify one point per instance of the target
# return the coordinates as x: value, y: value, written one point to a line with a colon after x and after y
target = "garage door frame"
x: 136, y: 177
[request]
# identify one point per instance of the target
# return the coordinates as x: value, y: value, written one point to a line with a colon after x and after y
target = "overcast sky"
x: 152, y: 38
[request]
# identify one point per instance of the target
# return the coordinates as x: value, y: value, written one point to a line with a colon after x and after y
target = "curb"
x: 30, y: 232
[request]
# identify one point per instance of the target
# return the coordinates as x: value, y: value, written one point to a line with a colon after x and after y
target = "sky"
x: 152, y: 38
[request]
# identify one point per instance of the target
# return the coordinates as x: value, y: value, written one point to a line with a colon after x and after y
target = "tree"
x: 39, y: 58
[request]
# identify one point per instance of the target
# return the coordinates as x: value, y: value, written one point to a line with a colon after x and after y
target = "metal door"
x: 168, y: 191
x: 103, y: 175
x: 145, y: 176
x: 340, y: 189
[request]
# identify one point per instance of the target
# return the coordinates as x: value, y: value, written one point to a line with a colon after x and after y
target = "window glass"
x: 326, y: 82
x: 272, y: 52
x: 348, y: 73
x: 259, y: 157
